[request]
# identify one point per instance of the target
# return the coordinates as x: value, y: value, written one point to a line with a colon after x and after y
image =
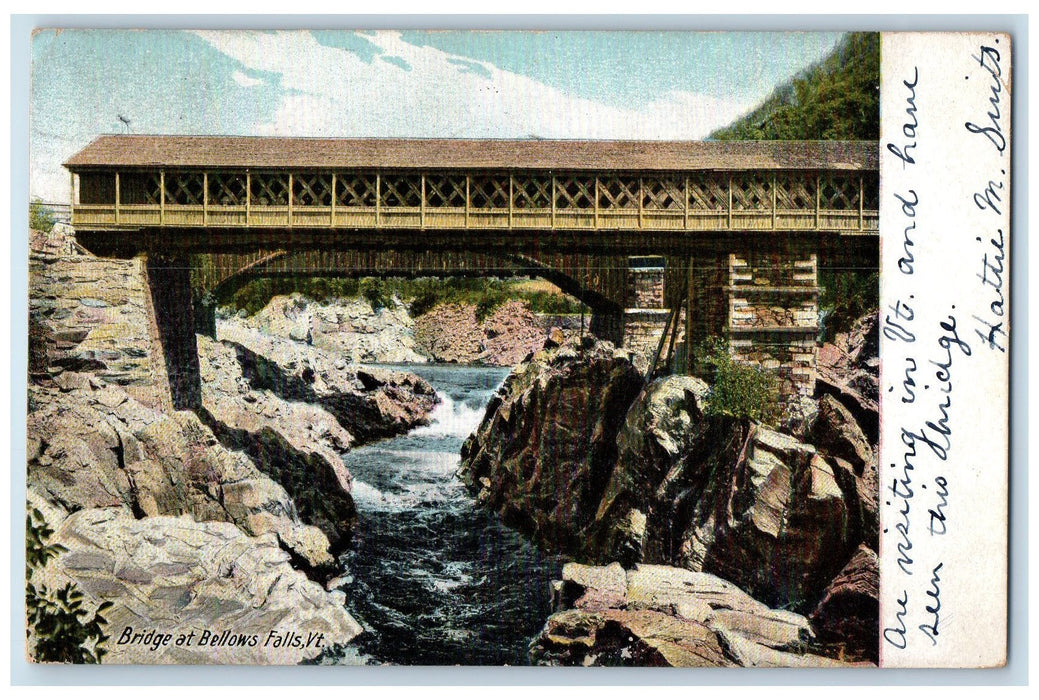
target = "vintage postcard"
x: 518, y: 348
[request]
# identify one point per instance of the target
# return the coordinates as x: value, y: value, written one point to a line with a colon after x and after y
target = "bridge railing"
x: 840, y: 201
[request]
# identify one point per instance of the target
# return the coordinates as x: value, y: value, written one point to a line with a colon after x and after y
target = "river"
x: 434, y: 578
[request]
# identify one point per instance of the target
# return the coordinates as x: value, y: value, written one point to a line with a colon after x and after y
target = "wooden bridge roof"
x: 140, y: 151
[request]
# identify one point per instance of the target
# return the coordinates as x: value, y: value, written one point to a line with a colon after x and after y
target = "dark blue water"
x: 436, y: 579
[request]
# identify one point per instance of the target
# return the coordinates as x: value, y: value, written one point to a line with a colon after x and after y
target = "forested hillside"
x: 835, y: 99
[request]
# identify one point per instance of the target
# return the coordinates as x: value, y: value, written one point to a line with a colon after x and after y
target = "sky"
x: 464, y: 84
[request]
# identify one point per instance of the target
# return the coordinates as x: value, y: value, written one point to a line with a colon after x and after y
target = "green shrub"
x: 39, y: 218
x: 738, y: 389
x: 374, y: 291
x: 423, y: 303
x: 547, y: 303
x: 422, y: 295
x: 66, y: 630
x: 846, y: 297
x: 486, y: 305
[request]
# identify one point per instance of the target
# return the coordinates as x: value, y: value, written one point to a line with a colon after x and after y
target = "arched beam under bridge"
x: 599, y: 282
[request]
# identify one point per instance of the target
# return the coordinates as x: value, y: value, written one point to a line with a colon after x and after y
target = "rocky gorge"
x: 228, y: 518
x: 694, y: 539
x: 578, y: 452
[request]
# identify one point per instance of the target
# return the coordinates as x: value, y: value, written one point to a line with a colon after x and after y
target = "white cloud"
x: 244, y: 80
x: 333, y: 92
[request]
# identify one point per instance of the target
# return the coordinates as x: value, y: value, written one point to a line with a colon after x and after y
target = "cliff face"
x: 548, y: 441
x: 213, y: 520
x: 576, y: 452
x: 767, y: 511
x: 452, y: 333
x: 348, y: 329
x: 370, y: 403
x: 353, y: 331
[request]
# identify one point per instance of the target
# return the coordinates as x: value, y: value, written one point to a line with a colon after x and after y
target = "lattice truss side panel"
x: 185, y: 189
x: 356, y: 190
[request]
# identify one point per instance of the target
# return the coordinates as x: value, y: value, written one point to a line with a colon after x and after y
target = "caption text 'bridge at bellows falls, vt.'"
x: 668, y: 243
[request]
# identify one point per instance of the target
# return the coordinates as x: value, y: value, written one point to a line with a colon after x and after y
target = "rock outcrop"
x: 370, y: 403
x: 296, y: 444
x: 352, y: 329
x: 780, y: 515
x: 548, y: 442
x: 452, y: 333
x: 91, y: 445
x: 236, y: 596
x: 185, y: 522
x: 847, y: 616
x: 665, y: 616
x: 849, y: 369
x: 726, y: 496
x: 348, y: 328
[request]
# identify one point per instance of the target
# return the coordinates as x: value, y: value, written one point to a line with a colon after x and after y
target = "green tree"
x: 835, y: 99
x: 40, y: 218
x: 66, y: 630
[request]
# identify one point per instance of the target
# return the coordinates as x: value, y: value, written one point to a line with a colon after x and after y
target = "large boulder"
x: 664, y: 425
x: 848, y: 616
x: 370, y: 403
x: 665, y: 616
x: 773, y: 519
x: 349, y: 328
x: 723, y: 495
x: 548, y: 442
x: 229, y: 397
x: 296, y: 444
x: 849, y: 370
x: 208, y: 592
x: 836, y: 431
x: 91, y: 445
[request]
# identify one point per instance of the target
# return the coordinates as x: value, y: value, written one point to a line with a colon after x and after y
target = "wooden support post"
x: 290, y: 200
x: 422, y: 200
x: 640, y: 202
x: 818, y: 201
x: 205, y: 198
x: 117, y: 196
x: 677, y: 310
x: 378, y: 199
x: 248, y: 196
x: 685, y: 217
x: 553, y: 201
x: 72, y: 197
x: 332, y: 213
x: 862, y: 196
x: 511, y: 185
x: 689, y: 315
x: 773, y: 201
x: 467, y: 200
x: 596, y: 202
x: 730, y: 201
x: 162, y: 197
